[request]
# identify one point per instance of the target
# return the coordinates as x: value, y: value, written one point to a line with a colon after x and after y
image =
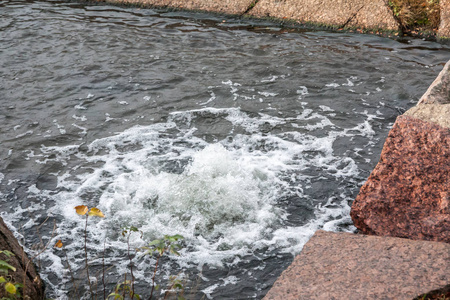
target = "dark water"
x: 243, y: 137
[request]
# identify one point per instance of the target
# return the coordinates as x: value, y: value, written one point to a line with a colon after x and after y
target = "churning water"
x: 240, y: 136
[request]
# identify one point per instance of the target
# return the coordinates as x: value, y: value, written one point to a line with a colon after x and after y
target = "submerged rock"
x: 348, y: 266
x: 25, y: 271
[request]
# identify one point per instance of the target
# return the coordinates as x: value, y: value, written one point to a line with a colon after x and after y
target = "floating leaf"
x: 96, y: 212
x: 10, y: 288
x: 81, y: 209
x: 59, y: 244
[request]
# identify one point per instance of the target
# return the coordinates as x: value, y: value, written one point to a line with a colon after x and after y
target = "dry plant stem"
x: 131, y: 266
x: 39, y: 253
x: 154, y: 275
x: 71, y: 273
x: 123, y: 290
x: 167, y: 293
x: 86, y: 256
x: 103, y: 269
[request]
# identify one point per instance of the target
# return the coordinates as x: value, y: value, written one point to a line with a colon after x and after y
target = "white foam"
x: 268, y: 94
x: 302, y: 91
x: 222, y: 196
x: 271, y: 79
x: 211, y: 99
x: 29, y: 132
x: 333, y: 85
x: 80, y: 118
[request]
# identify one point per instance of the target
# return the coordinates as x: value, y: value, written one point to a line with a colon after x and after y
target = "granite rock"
x: 25, y: 271
x: 439, y: 90
x: 353, y: 266
x: 233, y: 7
x: 407, y: 194
x: 370, y: 14
x: 435, y: 113
x: 444, y: 27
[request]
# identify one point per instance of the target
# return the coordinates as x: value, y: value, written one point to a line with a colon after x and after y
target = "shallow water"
x: 243, y: 137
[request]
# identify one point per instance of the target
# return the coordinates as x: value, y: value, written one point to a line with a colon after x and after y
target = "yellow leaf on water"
x: 81, y: 209
x: 10, y: 288
x: 58, y: 244
x: 96, y: 212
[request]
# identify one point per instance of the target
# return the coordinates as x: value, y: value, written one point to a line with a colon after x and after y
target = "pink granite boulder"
x: 408, y: 193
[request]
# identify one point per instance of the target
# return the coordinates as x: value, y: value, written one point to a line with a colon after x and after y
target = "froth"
x: 223, y: 197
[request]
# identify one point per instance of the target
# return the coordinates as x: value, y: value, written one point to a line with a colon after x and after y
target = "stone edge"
x: 246, y: 8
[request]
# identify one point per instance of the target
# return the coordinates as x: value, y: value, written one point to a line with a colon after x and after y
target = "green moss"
x: 414, y: 15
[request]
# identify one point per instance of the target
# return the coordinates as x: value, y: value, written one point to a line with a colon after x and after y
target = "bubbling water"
x: 223, y: 196
x: 215, y: 198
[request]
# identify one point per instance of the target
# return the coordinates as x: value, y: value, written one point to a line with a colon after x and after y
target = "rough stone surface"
x: 370, y: 14
x: 444, y: 27
x: 33, y: 286
x: 439, y: 90
x: 408, y: 192
x: 435, y: 113
x: 349, y: 266
x: 234, y: 7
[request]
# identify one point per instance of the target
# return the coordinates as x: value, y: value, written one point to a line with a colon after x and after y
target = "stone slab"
x: 444, y: 27
x: 233, y: 7
x: 25, y: 272
x: 348, y: 266
x: 408, y: 192
x: 370, y: 14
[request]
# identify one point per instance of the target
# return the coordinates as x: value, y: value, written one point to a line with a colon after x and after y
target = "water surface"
x: 243, y: 137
